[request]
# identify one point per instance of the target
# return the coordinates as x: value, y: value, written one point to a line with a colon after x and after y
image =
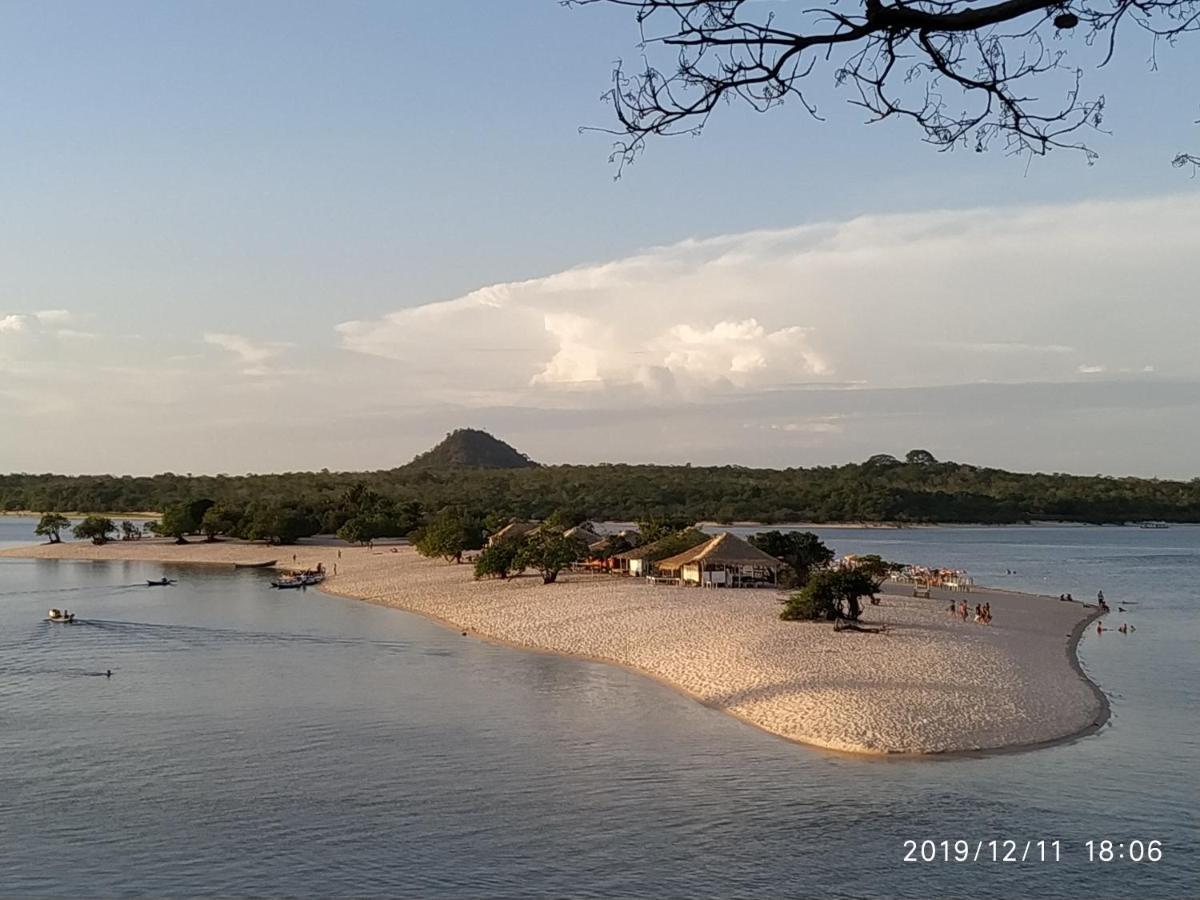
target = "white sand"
x: 930, y: 684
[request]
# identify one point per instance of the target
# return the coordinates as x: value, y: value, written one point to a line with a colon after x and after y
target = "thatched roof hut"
x: 513, y: 530
x: 723, y: 561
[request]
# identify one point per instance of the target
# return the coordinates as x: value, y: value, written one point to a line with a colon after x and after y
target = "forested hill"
x: 883, y: 489
x: 472, y: 449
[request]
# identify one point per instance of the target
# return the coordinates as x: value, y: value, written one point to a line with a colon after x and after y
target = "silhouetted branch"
x: 900, y: 60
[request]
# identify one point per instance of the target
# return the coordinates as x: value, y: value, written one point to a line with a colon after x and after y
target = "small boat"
x: 286, y: 583
x: 161, y: 582
x: 1153, y: 525
x: 61, y: 616
x: 261, y: 565
x: 314, y: 579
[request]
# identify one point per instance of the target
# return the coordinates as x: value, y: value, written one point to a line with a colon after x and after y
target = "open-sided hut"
x: 639, y: 560
x: 724, y: 561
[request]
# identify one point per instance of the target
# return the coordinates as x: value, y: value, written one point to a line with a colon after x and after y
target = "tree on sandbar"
x: 50, y: 527
x: 831, y: 594
x: 549, y: 552
x: 96, y: 528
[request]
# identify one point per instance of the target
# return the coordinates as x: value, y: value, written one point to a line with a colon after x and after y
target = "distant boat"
x: 260, y: 565
x: 62, y: 617
x: 161, y: 582
x: 1155, y: 524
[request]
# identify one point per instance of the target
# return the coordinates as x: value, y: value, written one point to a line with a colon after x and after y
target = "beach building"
x: 724, y: 561
x: 639, y: 561
x: 584, y: 533
x: 512, y: 531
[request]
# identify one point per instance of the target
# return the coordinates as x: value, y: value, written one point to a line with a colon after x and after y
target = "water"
x: 253, y: 742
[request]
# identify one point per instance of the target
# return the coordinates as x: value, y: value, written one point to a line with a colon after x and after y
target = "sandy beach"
x: 930, y: 684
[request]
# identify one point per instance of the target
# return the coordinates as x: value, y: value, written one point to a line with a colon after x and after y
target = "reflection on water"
x: 254, y: 742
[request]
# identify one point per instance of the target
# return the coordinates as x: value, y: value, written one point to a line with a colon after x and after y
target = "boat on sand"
x: 257, y: 565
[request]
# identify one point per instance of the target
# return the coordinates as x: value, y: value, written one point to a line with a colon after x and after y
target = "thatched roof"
x: 690, y: 536
x: 583, y: 533
x: 514, y: 530
x: 724, y: 549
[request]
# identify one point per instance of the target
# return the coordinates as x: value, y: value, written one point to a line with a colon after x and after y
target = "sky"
x: 294, y: 235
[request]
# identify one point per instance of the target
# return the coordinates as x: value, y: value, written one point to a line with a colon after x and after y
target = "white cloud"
x: 934, y: 298
x: 255, y: 357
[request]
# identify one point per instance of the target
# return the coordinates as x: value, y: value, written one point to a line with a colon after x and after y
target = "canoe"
x: 162, y: 582
x: 261, y: 565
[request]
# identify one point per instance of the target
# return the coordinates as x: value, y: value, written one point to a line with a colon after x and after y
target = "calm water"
x: 260, y: 742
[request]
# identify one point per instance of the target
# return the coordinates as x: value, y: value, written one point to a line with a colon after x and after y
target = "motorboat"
x: 315, y: 578
x: 161, y: 582
x: 292, y: 582
x: 61, y: 616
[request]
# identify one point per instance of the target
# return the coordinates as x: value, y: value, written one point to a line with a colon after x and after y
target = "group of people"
x: 983, y: 613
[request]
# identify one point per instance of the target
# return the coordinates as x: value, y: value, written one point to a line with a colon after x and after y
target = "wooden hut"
x: 724, y: 561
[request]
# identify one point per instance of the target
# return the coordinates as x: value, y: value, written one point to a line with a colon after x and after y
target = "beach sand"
x: 931, y: 684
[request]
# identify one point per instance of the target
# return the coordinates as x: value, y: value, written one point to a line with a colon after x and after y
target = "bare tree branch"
x: 909, y: 59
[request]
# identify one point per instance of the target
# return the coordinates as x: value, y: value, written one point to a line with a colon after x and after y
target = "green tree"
x: 50, y: 525
x: 219, y: 519
x: 281, y: 524
x: 177, y: 522
x: 450, y: 535
x: 549, y: 552
x: 655, y: 528
x: 98, y: 528
x: 876, y: 567
x: 130, y: 531
x: 831, y: 594
x: 920, y: 458
x: 803, y: 551
x: 498, y: 560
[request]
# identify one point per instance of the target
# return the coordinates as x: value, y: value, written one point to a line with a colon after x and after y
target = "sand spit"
x: 931, y: 684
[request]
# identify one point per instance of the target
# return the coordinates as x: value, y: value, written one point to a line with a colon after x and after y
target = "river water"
x: 253, y: 742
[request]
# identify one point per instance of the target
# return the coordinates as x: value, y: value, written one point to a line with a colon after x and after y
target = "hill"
x: 470, y: 448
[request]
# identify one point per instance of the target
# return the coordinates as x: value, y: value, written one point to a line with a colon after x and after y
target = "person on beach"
x: 1070, y: 599
x: 978, y: 613
x: 962, y: 610
x: 987, y: 613
x: 952, y: 608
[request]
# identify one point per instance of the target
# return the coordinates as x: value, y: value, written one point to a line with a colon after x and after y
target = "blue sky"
x: 210, y: 190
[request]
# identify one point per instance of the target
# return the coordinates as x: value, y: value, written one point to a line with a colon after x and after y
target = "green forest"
x: 916, y: 489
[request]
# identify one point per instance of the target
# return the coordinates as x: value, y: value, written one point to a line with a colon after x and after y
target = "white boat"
x: 1155, y: 524
x: 61, y: 616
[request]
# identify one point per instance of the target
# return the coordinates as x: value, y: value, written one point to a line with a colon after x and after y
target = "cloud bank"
x: 1052, y: 337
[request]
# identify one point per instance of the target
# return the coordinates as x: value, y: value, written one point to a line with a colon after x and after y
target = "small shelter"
x: 584, y: 533
x: 512, y: 531
x: 724, y: 561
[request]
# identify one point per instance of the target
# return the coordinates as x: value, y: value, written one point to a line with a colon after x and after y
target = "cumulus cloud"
x: 933, y: 298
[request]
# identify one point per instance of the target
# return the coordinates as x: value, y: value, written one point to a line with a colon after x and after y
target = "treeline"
x: 883, y: 489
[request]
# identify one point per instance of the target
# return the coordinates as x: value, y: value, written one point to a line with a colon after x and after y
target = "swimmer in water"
x: 108, y: 673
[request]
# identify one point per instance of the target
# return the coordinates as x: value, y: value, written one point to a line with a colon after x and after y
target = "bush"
x: 549, y: 552
x: 830, y: 594
x: 499, y: 560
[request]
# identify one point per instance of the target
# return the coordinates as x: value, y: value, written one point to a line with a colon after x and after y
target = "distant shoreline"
x: 932, y: 685
x: 76, y: 514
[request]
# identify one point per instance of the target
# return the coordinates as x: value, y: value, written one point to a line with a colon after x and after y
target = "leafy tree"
x: 966, y: 74
x: 920, y: 458
x: 831, y: 594
x: 450, y: 535
x: 219, y: 519
x: 98, y: 528
x: 281, y: 524
x: 803, y: 551
x: 130, y: 531
x: 499, y: 560
x: 50, y: 525
x: 549, y: 552
x: 177, y: 522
